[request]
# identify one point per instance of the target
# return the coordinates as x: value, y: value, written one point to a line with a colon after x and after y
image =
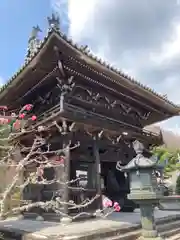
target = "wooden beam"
x: 44, y: 79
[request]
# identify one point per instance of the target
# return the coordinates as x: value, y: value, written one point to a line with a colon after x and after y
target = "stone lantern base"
x: 149, y: 231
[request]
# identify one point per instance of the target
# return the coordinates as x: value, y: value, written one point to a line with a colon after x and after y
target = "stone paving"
x: 116, y: 220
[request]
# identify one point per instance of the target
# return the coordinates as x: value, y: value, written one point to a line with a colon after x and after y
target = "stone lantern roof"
x: 140, y: 161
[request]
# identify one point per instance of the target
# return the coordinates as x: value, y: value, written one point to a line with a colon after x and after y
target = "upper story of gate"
x: 96, y: 87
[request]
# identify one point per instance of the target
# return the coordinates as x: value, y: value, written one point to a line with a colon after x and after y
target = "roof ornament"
x: 85, y: 48
x: 54, y: 22
x: 34, y: 33
x: 33, y: 42
x: 165, y: 96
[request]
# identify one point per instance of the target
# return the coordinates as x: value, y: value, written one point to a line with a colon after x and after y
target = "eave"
x: 114, y: 75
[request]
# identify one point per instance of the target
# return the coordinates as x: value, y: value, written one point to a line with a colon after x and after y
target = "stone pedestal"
x: 149, y: 230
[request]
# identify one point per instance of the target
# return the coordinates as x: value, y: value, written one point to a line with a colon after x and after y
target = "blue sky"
x: 16, y: 20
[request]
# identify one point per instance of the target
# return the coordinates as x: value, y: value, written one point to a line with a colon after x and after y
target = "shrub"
x: 178, y: 185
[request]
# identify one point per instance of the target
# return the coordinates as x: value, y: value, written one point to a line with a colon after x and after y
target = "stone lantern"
x: 144, y: 189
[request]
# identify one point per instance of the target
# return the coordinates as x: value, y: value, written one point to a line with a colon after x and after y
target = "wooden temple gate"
x: 89, y: 119
x: 95, y: 105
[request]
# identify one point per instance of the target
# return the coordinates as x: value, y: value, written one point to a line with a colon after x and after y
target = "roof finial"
x: 54, y: 22
x: 33, y: 42
x: 34, y: 33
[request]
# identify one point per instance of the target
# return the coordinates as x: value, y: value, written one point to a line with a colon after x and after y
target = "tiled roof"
x: 90, y: 55
x: 170, y: 139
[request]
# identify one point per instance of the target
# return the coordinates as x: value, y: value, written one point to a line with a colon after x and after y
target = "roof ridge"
x: 89, y: 54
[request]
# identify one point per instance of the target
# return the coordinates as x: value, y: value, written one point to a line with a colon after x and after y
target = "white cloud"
x: 141, y: 37
x: 60, y: 6
x: 169, y: 49
x: 79, y: 13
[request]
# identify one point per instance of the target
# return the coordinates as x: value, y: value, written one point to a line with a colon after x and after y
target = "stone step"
x: 170, y: 233
x: 175, y: 237
x: 165, y: 230
x: 127, y: 236
x: 168, y: 226
x: 109, y: 233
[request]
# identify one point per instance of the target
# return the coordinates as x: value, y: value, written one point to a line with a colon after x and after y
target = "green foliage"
x: 178, y: 185
x: 172, y: 156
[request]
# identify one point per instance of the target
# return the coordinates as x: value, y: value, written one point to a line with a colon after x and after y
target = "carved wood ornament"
x: 90, y: 96
x: 65, y: 83
x: 56, y: 94
x: 99, y: 102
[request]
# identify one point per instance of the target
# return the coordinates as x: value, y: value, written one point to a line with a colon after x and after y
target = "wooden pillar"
x: 66, y: 175
x: 98, y: 170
